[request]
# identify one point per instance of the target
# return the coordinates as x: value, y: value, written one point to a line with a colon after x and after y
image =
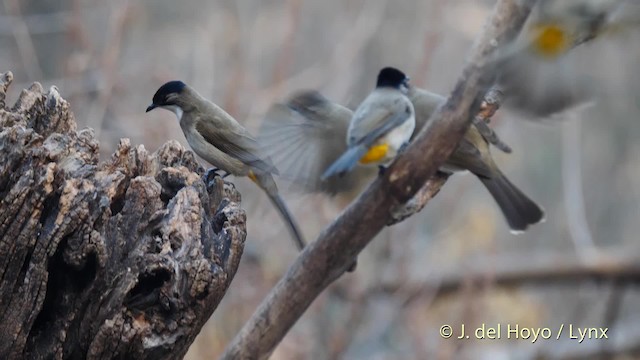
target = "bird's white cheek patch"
x: 176, y: 110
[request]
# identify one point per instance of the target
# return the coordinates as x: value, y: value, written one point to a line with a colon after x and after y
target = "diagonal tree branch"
x: 326, y: 259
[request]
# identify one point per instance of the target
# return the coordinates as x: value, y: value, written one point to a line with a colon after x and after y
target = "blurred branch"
x: 109, y: 64
x: 36, y: 24
x: 612, y: 312
x: 572, y: 188
x: 286, y: 56
x: 547, y: 272
x: 339, y: 63
x: 488, y: 108
x: 23, y: 39
x: 42, y: 24
x: 432, y: 38
x: 326, y: 259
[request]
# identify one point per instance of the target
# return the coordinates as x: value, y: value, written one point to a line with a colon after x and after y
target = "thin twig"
x: 488, y: 108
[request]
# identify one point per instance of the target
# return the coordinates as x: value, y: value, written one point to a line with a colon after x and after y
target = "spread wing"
x: 304, y: 136
x: 237, y: 143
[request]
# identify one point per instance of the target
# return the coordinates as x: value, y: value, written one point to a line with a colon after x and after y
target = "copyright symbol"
x: 446, y: 331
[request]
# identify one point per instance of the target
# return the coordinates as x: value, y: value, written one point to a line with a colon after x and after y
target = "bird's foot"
x: 381, y: 170
x: 403, y: 148
x: 210, y: 175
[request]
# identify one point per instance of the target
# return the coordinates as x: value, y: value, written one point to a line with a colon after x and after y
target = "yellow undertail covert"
x: 251, y: 175
x: 375, y: 154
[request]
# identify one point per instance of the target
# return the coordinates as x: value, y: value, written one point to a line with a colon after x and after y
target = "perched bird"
x: 219, y: 139
x: 473, y: 154
x: 380, y: 127
x: 315, y: 124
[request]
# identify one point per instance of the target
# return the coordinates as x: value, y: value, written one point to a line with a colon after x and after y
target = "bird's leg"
x: 381, y: 170
x: 213, y: 172
x: 403, y: 147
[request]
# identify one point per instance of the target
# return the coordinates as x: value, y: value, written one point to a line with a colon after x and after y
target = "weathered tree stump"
x: 127, y: 258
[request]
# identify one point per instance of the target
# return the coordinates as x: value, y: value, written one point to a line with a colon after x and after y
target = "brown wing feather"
x: 237, y: 144
x: 475, y: 158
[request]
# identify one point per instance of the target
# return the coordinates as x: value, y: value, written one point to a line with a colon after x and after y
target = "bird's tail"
x: 277, y: 201
x: 265, y: 182
x: 518, y: 209
x: 345, y: 162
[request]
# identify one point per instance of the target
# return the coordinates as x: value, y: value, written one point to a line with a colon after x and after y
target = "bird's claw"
x: 210, y: 175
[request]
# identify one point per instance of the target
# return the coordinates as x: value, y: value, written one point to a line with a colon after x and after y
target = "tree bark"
x: 125, y: 258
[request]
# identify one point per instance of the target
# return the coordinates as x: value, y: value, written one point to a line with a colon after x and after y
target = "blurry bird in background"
x: 545, y: 72
x: 318, y: 127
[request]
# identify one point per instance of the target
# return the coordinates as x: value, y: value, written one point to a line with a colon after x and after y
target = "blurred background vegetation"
x: 108, y: 58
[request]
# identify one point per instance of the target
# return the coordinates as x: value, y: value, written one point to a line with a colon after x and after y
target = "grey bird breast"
x: 230, y: 148
x: 382, y: 111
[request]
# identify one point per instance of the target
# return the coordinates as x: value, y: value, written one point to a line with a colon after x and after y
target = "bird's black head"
x: 392, y: 77
x: 166, y: 94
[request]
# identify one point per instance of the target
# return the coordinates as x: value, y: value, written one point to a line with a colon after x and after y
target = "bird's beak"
x: 151, y: 107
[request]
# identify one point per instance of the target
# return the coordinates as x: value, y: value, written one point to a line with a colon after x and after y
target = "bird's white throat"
x: 176, y: 110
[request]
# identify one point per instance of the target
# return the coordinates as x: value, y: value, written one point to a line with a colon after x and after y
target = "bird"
x: 314, y: 123
x: 380, y: 127
x: 219, y: 139
x: 473, y: 154
x: 544, y: 72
